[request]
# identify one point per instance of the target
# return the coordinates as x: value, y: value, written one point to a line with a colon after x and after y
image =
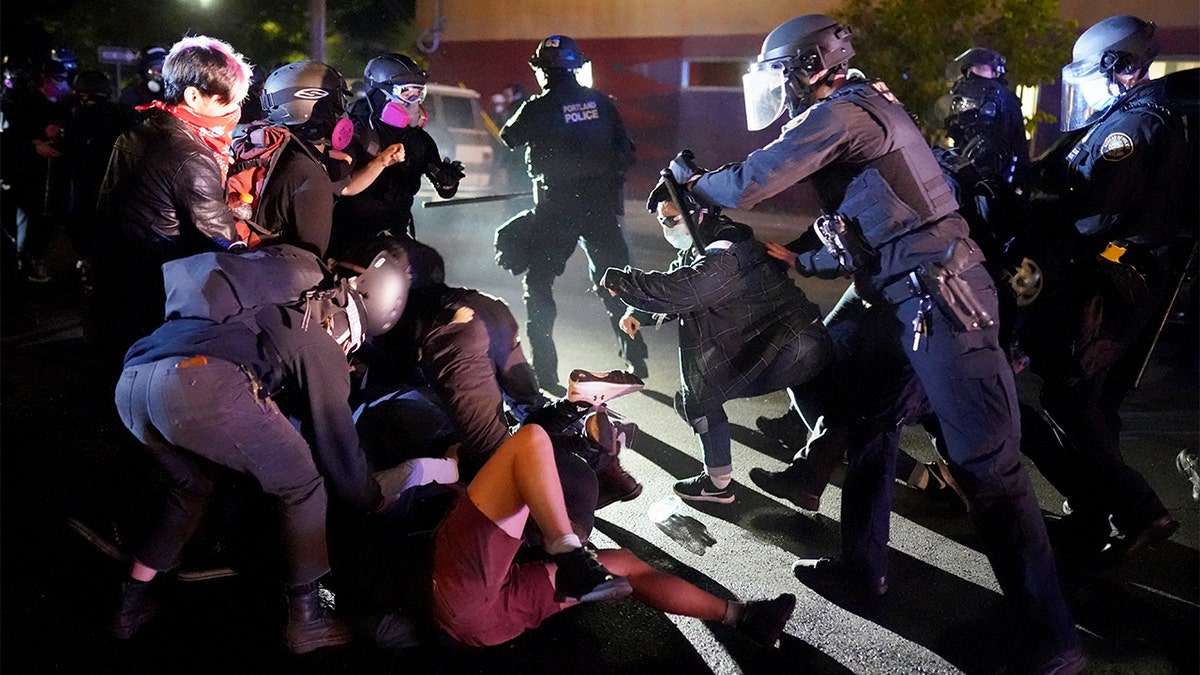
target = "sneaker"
x: 581, y: 578
x: 1188, y: 463
x: 616, y: 485
x: 138, y: 605
x: 764, y: 620
x: 791, y: 484
x: 586, y: 386
x: 701, y: 489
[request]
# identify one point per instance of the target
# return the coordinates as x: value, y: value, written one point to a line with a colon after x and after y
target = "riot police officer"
x: 149, y: 85
x: 891, y: 223
x: 1119, y: 192
x: 392, y: 112
x: 985, y: 119
x: 577, y: 155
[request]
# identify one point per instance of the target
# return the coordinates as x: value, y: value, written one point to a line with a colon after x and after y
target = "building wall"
x: 637, y: 49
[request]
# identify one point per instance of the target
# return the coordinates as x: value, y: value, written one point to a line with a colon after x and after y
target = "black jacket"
x: 164, y: 191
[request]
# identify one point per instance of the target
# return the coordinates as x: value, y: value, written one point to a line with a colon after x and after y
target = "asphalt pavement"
x: 68, y: 467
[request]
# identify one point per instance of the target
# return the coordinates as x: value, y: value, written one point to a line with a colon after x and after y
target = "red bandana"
x: 216, y: 132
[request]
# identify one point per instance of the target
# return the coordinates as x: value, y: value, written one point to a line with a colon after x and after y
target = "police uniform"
x: 1124, y: 180
x: 869, y: 162
x: 577, y: 155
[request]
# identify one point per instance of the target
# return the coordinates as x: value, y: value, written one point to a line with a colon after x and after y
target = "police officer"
x: 1123, y: 178
x: 392, y: 112
x: 891, y: 222
x: 577, y: 155
x: 985, y: 119
x: 149, y: 85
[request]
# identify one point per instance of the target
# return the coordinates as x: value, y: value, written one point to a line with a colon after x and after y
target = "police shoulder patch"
x: 1116, y: 147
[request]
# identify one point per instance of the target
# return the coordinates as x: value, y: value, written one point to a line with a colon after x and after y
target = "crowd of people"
x: 371, y: 383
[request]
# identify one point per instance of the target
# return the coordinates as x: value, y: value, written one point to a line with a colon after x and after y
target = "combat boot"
x: 311, y: 623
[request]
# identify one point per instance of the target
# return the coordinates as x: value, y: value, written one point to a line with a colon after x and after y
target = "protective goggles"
x: 409, y: 94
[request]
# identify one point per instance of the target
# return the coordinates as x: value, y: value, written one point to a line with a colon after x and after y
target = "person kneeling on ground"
x: 482, y: 598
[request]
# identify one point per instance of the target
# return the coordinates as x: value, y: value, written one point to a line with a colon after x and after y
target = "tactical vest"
x: 907, y: 166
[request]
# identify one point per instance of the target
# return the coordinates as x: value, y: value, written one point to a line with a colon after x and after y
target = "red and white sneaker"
x: 586, y: 386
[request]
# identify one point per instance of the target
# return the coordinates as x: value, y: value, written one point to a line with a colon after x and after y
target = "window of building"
x: 712, y: 73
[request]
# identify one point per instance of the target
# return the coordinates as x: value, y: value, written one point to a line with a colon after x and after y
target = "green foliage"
x: 911, y: 44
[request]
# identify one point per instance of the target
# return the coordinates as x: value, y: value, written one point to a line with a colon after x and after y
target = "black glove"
x: 684, y: 168
x: 657, y: 195
x: 452, y: 169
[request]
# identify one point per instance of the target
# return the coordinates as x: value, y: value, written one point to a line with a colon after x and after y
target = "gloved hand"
x: 452, y: 169
x: 683, y: 168
x: 657, y: 195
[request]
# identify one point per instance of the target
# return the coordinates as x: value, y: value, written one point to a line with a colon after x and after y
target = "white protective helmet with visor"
x: 1118, y: 45
x: 803, y: 46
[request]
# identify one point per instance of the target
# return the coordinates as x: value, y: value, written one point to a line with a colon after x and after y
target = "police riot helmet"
x: 976, y: 107
x: 981, y: 56
x: 803, y: 46
x: 302, y: 91
x: 1118, y: 45
x: 558, y: 52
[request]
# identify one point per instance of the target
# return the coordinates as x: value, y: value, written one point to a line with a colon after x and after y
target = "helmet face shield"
x: 1086, y: 92
x: 763, y: 90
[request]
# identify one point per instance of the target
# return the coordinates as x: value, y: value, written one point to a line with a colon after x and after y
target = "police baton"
x: 674, y: 189
x: 476, y: 200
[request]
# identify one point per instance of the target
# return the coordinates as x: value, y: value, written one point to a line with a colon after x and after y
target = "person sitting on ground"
x: 745, y: 328
x: 482, y: 598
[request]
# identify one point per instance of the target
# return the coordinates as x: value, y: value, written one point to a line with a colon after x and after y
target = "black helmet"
x: 382, y: 288
x: 976, y: 107
x: 150, y: 60
x: 291, y: 93
x: 981, y: 56
x: 1118, y: 45
x: 558, y: 51
x: 383, y: 72
x: 802, y: 46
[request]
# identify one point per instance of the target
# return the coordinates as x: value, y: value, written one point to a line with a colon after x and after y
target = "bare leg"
x: 520, y: 480
x: 662, y: 591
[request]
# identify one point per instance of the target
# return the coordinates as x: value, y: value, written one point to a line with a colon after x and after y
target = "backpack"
x: 220, y: 285
x: 255, y: 153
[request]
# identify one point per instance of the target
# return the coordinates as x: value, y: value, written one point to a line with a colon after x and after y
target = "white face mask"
x: 676, y: 233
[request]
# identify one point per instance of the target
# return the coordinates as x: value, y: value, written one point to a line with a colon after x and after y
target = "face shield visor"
x: 1087, y: 91
x: 763, y: 89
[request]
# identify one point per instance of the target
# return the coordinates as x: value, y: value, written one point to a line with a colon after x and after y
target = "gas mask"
x: 404, y: 108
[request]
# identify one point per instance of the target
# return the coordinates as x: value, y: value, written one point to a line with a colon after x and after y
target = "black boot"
x: 137, y: 605
x: 310, y: 621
